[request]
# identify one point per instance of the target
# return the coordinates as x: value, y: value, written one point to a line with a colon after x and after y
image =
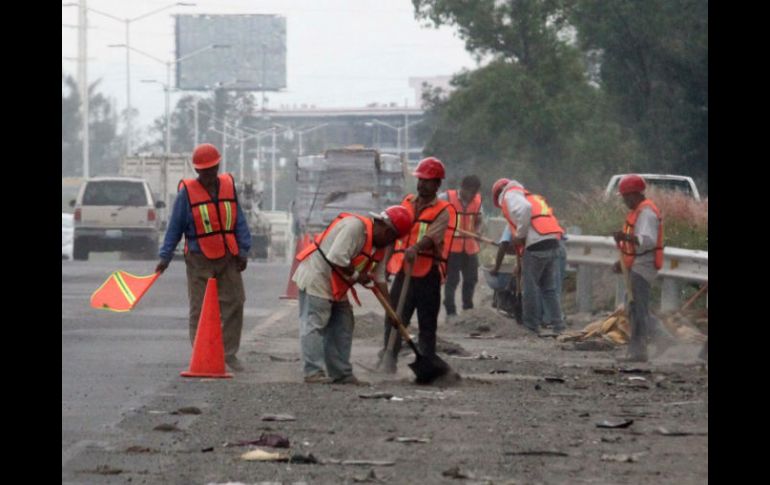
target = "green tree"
x: 653, y: 59
x: 530, y: 113
x: 104, y: 143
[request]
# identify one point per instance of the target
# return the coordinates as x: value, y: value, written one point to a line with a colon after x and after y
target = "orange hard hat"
x: 630, y: 184
x: 401, y: 219
x: 205, y: 155
x: 429, y: 168
x: 498, y: 187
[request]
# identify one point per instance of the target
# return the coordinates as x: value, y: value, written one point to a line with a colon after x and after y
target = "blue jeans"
x: 539, y: 277
x: 645, y: 327
x: 325, y: 336
x: 561, y: 272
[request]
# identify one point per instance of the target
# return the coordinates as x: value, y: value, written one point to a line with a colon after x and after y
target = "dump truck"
x: 163, y: 173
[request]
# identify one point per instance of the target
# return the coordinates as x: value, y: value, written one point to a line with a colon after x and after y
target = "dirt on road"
x: 526, y: 411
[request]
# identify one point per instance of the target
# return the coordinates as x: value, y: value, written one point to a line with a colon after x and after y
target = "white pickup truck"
x: 679, y: 183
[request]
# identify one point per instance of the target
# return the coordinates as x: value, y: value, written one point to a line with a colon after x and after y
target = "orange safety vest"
x: 542, y: 219
x: 629, y: 253
x: 466, y: 220
x: 424, y: 261
x: 214, y: 223
x: 364, y: 262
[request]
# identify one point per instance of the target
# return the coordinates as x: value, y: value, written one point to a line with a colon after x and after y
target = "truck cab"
x: 678, y: 183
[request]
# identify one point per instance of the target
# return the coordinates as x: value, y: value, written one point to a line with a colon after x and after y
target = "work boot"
x: 451, y: 318
x: 317, y: 378
x: 351, y: 379
x: 233, y: 363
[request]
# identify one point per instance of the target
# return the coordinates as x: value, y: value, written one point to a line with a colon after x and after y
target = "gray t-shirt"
x: 341, y: 245
x: 646, y: 231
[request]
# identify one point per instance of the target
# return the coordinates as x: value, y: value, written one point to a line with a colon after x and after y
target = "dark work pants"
x: 424, y: 295
x: 468, y: 265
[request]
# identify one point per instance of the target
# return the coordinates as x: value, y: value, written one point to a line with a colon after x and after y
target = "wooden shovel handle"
x: 391, y: 313
x: 477, y: 236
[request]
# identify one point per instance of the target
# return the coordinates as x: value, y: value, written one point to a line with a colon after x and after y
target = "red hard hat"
x: 630, y: 184
x: 205, y: 155
x: 401, y: 219
x: 497, y: 188
x: 429, y: 168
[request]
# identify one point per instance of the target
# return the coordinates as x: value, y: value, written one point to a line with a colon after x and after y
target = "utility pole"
x: 83, y: 82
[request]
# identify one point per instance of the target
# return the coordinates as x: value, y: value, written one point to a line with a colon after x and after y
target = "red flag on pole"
x: 122, y: 291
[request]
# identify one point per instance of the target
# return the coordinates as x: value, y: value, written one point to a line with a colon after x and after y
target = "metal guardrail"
x: 589, y: 253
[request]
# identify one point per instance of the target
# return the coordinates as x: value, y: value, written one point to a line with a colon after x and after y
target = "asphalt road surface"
x: 113, y: 362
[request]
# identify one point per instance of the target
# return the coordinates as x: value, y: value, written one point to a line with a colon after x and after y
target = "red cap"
x: 429, y: 168
x: 498, y: 187
x: 401, y: 219
x: 205, y: 155
x: 630, y: 184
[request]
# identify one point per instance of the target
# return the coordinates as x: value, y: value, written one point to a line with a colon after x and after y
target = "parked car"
x: 115, y: 214
x: 679, y: 183
x: 67, y: 230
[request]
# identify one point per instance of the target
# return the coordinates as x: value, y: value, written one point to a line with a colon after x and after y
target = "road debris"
x: 308, y: 459
x: 554, y: 379
x: 103, y: 470
x: 666, y: 432
x: 455, y: 472
x: 615, y: 424
x: 187, y: 410
x: 262, y: 455
x: 271, y: 440
x: 166, y: 427
x: 408, y: 439
x: 275, y: 358
x: 360, y: 462
x: 278, y: 417
x: 140, y: 449
x: 624, y: 457
x: 376, y: 395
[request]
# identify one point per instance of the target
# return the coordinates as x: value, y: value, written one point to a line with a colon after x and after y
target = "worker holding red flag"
x: 217, y: 242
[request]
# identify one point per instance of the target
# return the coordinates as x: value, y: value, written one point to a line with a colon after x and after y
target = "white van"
x: 116, y: 214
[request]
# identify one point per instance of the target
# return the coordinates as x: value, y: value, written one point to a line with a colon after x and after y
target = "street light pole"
x: 272, y: 173
x: 83, y: 75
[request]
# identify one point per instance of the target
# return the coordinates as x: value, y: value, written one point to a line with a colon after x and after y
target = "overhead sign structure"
x: 254, y: 58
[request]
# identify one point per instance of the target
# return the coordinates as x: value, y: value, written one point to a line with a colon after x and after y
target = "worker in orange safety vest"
x: 345, y: 253
x: 424, y: 253
x: 641, y: 246
x: 464, y: 253
x: 217, y: 242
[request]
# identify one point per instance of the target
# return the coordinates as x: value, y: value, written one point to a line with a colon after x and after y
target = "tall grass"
x: 685, y: 220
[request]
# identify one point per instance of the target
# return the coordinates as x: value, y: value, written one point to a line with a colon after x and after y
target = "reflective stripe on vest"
x: 213, y: 236
x: 364, y: 262
x: 466, y: 220
x: 424, y: 260
x: 542, y: 219
x: 629, y: 253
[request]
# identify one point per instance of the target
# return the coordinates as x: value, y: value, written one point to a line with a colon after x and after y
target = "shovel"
x: 426, y: 369
x: 387, y: 354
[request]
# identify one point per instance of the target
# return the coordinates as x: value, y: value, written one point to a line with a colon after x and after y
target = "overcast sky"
x: 340, y: 53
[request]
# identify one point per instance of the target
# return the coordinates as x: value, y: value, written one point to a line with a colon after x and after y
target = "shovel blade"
x: 428, y: 369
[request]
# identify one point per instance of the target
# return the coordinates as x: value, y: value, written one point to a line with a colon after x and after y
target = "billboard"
x: 249, y: 52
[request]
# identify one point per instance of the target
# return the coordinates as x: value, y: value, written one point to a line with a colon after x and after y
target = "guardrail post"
x: 584, y: 287
x: 670, y: 295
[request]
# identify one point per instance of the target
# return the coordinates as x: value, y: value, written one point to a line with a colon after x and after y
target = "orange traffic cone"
x: 208, y: 355
x: 292, y: 292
